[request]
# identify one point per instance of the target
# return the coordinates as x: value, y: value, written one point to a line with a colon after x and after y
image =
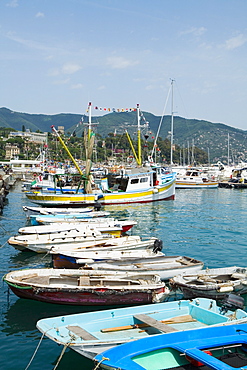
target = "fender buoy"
x: 196, y: 362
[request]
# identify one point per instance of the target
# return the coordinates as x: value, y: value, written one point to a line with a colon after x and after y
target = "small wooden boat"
x: 212, y: 283
x: 52, y: 211
x: 76, y: 287
x: 61, y: 217
x: 218, y: 348
x: 76, y: 259
x: 91, y: 333
x: 130, y: 242
x: 41, y: 243
x: 164, y: 266
x: 99, y: 223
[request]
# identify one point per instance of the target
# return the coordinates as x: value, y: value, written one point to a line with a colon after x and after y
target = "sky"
x: 58, y: 55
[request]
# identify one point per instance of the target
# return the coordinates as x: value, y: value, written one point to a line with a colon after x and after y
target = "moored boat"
x: 76, y: 287
x: 164, y: 266
x: 212, y: 283
x: 93, y: 332
x: 99, y: 223
x: 62, y: 217
x: 195, y: 179
x: 218, y: 348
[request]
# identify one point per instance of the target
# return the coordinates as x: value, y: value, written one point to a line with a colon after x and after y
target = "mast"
x: 138, y: 135
x: 67, y: 150
x: 172, y: 113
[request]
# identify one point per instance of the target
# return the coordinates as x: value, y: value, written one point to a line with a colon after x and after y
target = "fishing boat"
x: 61, y: 260
x: 164, y: 266
x: 218, y: 348
x: 42, y: 242
x: 194, y: 178
x: 93, y: 242
x: 139, y: 184
x: 91, y: 333
x: 129, y: 242
x: 62, y: 217
x: 99, y: 223
x: 76, y: 287
x: 212, y: 283
x: 29, y: 210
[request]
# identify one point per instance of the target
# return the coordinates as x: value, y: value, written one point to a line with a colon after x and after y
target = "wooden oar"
x: 174, y: 320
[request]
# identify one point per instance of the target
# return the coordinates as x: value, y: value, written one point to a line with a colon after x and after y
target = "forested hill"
x: 211, y: 137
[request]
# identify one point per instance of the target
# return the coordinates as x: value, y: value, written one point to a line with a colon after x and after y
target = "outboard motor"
x: 232, y: 302
x: 158, y: 245
x: 97, y: 206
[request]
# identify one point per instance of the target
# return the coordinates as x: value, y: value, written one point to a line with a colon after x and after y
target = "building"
x: 12, y: 151
x: 34, y: 137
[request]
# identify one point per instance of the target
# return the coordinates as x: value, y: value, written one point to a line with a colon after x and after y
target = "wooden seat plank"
x: 82, y: 333
x: 154, y: 323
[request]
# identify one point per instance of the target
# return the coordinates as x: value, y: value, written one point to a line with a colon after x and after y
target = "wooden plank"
x: 82, y: 333
x: 173, y: 320
x: 154, y: 323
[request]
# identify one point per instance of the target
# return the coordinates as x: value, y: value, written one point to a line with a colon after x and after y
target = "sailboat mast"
x: 139, y: 135
x: 89, y: 119
x: 172, y: 123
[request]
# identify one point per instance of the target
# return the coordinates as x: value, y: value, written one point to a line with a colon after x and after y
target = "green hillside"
x: 208, y: 136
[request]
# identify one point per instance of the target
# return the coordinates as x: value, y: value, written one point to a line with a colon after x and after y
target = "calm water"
x: 209, y: 225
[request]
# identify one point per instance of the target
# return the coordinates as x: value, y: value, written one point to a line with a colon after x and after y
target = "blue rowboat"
x: 218, y: 348
x: 93, y: 332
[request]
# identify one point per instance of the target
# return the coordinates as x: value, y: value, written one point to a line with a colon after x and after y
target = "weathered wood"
x: 82, y: 333
x: 154, y: 323
x: 173, y: 320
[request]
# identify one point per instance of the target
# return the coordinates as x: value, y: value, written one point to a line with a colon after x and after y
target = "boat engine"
x: 158, y: 245
x: 232, y: 302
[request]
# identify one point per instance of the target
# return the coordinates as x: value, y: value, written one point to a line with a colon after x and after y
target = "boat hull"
x: 101, y: 297
x: 157, y: 193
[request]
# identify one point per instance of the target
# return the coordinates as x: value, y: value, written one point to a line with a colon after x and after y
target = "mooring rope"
x: 35, y: 351
x: 100, y: 362
x: 61, y: 355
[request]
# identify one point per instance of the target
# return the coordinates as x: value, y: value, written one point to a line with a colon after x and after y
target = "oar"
x: 174, y: 320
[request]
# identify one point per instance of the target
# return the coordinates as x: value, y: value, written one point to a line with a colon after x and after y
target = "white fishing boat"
x: 99, y: 223
x: 52, y: 211
x: 61, y: 217
x: 43, y: 243
x: 195, y: 179
x: 82, y: 257
x: 130, y: 242
x: 212, y: 283
x: 164, y: 266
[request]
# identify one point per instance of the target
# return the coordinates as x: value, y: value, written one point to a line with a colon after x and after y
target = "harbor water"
x: 207, y: 224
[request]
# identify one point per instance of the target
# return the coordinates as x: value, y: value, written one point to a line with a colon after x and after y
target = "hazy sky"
x: 57, y: 55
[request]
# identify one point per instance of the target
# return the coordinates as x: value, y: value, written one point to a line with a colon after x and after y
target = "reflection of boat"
x: 164, y: 266
x: 92, y: 333
x: 77, y: 287
x: 212, y: 283
x: 194, y: 178
x: 219, y: 348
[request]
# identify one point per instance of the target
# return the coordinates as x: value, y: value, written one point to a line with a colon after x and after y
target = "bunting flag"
x: 118, y: 110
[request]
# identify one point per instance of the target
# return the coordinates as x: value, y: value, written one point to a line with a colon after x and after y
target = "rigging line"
x: 4, y: 244
x: 161, y: 119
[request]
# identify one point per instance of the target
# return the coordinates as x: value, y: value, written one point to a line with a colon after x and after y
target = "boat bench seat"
x: 80, y: 332
x: 154, y: 323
